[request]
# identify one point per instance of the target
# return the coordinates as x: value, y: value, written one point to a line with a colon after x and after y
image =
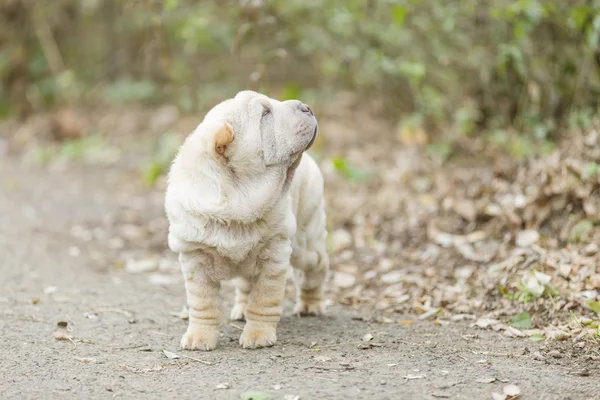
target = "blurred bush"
x: 461, y: 65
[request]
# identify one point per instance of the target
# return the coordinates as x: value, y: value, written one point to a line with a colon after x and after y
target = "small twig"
x: 236, y: 326
x: 115, y: 310
x: 485, y: 353
x: 195, y: 359
x: 324, y: 379
x: 317, y: 348
x: 157, y: 332
x: 130, y: 347
x: 62, y: 336
x: 583, y: 328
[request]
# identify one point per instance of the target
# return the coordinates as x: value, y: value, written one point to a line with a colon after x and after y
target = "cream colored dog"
x: 245, y: 202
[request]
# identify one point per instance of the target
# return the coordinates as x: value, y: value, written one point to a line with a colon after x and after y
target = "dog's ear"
x: 223, y: 137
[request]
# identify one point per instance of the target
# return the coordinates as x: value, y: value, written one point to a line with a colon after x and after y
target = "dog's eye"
x: 266, y: 111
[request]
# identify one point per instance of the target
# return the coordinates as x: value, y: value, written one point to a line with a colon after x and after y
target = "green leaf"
x: 151, y: 172
x: 581, y: 230
x: 171, y: 4
x: 537, y: 337
x: 291, y: 91
x: 354, y: 174
x: 521, y: 321
x: 255, y: 396
x: 595, y: 306
x: 399, y: 14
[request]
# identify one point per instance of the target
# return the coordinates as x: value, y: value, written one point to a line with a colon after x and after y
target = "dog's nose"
x: 306, y: 109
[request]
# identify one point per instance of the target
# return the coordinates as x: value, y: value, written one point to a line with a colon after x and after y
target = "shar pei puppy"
x: 245, y: 202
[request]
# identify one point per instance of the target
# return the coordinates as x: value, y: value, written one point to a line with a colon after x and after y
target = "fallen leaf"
x: 527, y: 238
x: 537, y: 337
x: 392, y: 277
x: 513, y: 332
x: 534, y: 286
x: 511, y: 390
x: 486, y: 322
x: 410, y: 377
x: 405, y: 322
x: 542, y: 278
x: 343, y: 279
x: 595, y: 306
x: 341, y: 239
x: 466, y: 209
x: 521, y: 321
x: 254, y: 395
x: 170, y: 355
x: 430, y: 313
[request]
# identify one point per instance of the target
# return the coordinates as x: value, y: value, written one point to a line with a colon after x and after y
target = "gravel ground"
x: 118, y: 322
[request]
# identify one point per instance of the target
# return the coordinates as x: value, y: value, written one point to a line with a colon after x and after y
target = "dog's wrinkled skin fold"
x: 235, y: 212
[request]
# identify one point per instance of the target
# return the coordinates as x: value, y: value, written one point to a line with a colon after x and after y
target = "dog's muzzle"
x: 314, y: 137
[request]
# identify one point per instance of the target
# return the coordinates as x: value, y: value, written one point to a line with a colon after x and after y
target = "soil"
x: 118, y: 323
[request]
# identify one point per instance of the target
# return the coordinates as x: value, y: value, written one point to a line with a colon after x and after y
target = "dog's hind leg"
x: 310, y: 271
x: 242, y: 291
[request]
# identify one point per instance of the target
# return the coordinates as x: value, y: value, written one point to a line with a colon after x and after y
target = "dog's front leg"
x: 202, y: 298
x: 264, y: 308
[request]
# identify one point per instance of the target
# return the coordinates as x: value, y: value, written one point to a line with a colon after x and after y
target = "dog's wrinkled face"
x: 243, y: 156
x: 268, y: 131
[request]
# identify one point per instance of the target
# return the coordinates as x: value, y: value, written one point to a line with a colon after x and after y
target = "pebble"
x: 555, y: 354
x: 538, y: 356
x: 590, y: 249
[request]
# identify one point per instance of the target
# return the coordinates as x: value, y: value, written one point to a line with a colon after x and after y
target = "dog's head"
x: 256, y: 131
x: 249, y: 147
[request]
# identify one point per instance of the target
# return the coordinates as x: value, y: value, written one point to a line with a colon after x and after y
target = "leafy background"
x: 452, y: 68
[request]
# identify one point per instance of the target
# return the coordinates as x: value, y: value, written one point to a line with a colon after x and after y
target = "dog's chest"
x: 242, y: 244
x: 237, y: 242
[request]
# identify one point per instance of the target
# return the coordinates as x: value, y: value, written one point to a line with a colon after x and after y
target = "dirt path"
x: 120, y: 322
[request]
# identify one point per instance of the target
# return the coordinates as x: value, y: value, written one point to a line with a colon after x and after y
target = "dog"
x: 245, y: 202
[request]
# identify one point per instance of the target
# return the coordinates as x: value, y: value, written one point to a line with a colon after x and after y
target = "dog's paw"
x: 204, y: 340
x: 303, y: 308
x: 237, y: 312
x: 258, y: 335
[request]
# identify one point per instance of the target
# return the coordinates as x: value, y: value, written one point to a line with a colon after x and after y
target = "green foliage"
x: 87, y: 148
x: 255, y: 396
x: 347, y: 171
x: 524, y: 66
x: 127, y: 91
x: 595, y: 306
x: 537, y: 337
x: 581, y: 230
x: 535, y: 287
x: 166, y: 148
x: 521, y: 321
